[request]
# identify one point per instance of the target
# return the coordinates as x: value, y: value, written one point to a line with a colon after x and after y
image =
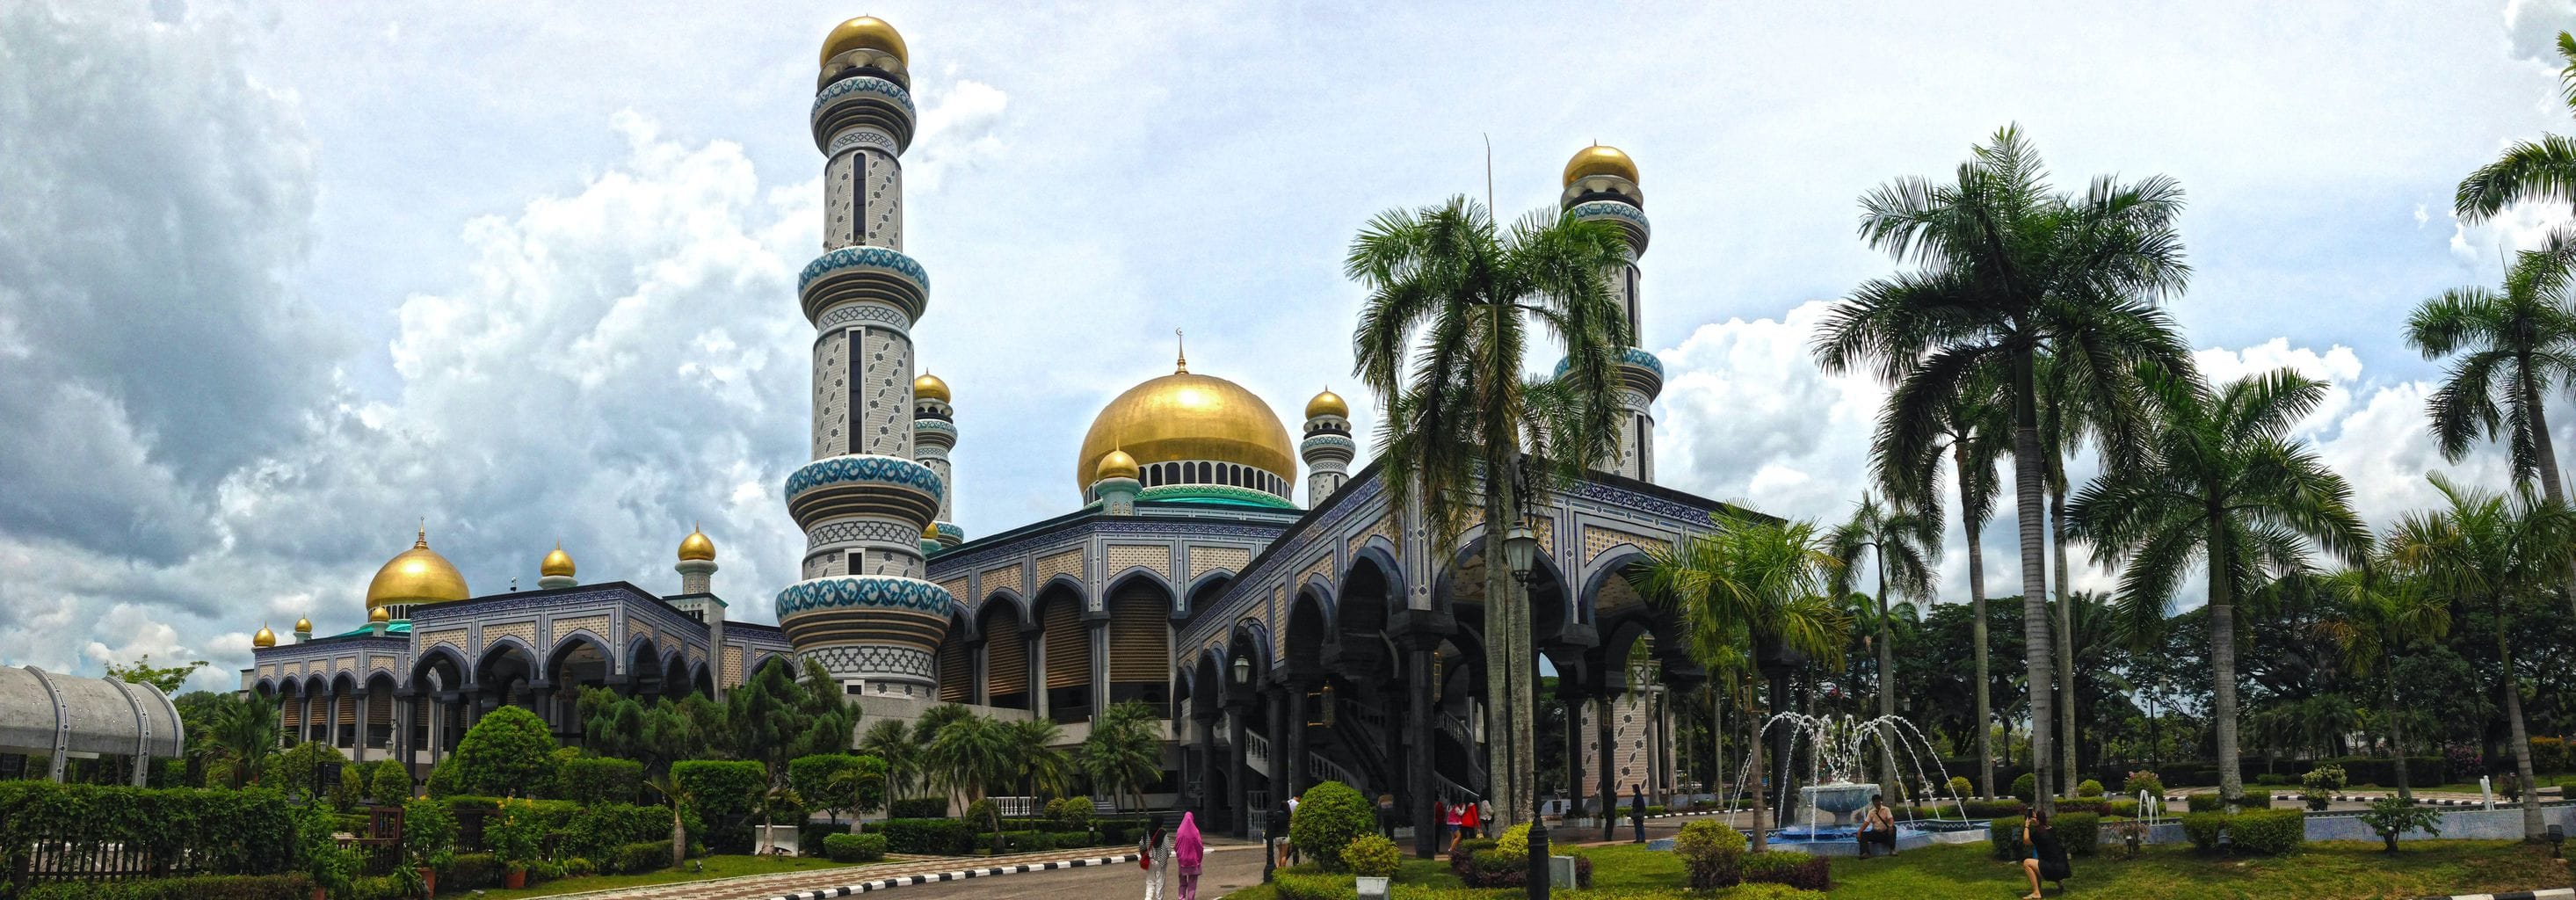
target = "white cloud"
x: 2532, y: 27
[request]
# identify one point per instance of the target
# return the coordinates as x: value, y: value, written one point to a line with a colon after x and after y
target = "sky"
x: 281, y: 282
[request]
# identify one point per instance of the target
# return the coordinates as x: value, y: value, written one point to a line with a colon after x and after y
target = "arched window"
x: 1207, y: 473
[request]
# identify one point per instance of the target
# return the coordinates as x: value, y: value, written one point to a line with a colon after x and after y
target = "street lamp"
x: 1242, y: 671
x: 1520, y: 552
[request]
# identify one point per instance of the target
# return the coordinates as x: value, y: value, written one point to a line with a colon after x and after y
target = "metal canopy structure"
x: 60, y: 717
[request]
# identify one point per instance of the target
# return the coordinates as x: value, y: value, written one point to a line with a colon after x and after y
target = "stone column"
x: 365, y: 709
x: 1573, y: 752
x: 1609, y: 788
x: 1206, y: 750
x: 1279, y: 744
x: 1238, y: 787
x: 1297, y: 776
x: 1418, y: 632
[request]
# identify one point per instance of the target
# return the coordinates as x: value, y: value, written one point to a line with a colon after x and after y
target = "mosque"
x: 1291, y: 625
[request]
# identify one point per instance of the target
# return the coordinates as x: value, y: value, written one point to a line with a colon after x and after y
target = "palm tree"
x: 1042, y: 766
x: 1441, y: 341
x: 1899, y: 544
x: 2499, y: 549
x: 2064, y: 418
x: 1748, y: 596
x: 669, y: 787
x: 1973, y: 429
x: 2532, y: 170
x: 2009, y: 270
x: 1124, y: 751
x: 2224, y: 484
x: 973, y: 755
x: 246, y: 728
x: 891, y: 740
x: 2514, y: 349
x: 2380, y: 609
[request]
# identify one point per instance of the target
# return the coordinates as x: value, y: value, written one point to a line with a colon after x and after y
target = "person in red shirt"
x: 1470, y: 820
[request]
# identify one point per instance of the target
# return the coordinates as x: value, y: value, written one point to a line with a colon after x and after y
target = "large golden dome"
x: 865, y: 31
x: 1600, y: 160
x: 417, y: 575
x: 1185, y: 416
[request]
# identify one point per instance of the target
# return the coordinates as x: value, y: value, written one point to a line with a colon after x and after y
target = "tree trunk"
x: 2065, y: 642
x: 1754, y: 726
x: 1977, y: 608
x: 2547, y: 449
x: 2531, y: 824
x: 2396, y: 743
x: 2222, y: 663
x: 1888, y: 783
x: 2028, y: 485
x: 1507, y: 695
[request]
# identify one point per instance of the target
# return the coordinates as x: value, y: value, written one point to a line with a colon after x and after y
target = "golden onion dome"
x: 697, y: 547
x: 1327, y: 404
x: 417, y: 575
x: 1599, y: 160
x: 1116, y: 465
x: 556, y: 562
x: 865, y: 31
x: 263, y: 638
x: 929, y: 387
x: 303, y: 626
x: 1185, y: 416
x: 380, y: 615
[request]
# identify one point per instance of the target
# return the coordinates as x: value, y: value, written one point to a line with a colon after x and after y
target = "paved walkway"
x: 1229, y: 868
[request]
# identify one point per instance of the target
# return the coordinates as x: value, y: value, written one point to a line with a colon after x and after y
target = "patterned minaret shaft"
x: 934, y: 433
x: 863, y: 610
x: 1328, y: 447
x: 1601, y: 184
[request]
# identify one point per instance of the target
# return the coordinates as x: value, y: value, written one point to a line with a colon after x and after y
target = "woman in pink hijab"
x: 1187, y: 852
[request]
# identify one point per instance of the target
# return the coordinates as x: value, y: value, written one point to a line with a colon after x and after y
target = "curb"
x: 959, y: 875
x: 2544, y: 894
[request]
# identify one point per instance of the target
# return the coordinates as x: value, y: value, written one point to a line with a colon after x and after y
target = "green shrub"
x: 918, y: 808
x: 1070, y: 839
x: 1328, y: 816
x: 1371, y: 854
x: 2548, y: 754
x: 1712, y: 854
x: 2003, y: 837
x: 2143, y: 781
x: 935, y: 837
x: 2203, y: 829
x: 2126, y: 809
x: 2391, y: 818
x: 854, y: 847
x: 291, y: 886
x: 601, y: 779
x: 1994, y: 809
x: 1797, y: 870
x: 2328, y: 778
x: 429, y: 833
x: 515, y: 834
x: 2567, y: 788
x: 2204, y: 803
x: 728, y: 795
x: 1069, y: 812
x: 2273, y: 832
x: 2078, y: 832
x: 2269, y: 779
x: 982, y: 812
x: 2026, y: 787
x: 1960, y: 786
x: 2257, y: 798
x: 2093, y: 805
x: 390, y: 784
x: 468, y: 871
x: 2088, y: 788
x: 508, y: 753
x: 1312, y: 886
x: 244, y: 832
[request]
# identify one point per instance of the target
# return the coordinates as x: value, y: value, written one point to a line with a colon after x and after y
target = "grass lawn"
x: 716, y: 867
x: 2324, y: 870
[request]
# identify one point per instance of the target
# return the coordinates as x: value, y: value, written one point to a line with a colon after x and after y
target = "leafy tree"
x: 391, y: 783
x: 245, y: 728
x: 294, y: 770
x: 972, y: 756
x: 2224, y: 485
x: 166, y: 679
x: 835, y: 782
x: 2381, y: 610
x: 1044, y: 768
x: 2391, y: 817
x: 2514, y: 349
x: 2009, y: 270
x: 2532, y: 170
x: 2490, y: 547
x: 1441, y: 340
x: 1124, y: 751
x: 508, y: 753
x: 1747, y: 597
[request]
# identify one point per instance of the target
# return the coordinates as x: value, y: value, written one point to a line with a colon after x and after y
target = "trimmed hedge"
x: 469, y: 871
x: 2269, y: 832
x: 245, y: 832
x: 290, y: 886
x: 2203, y: 829
x: 854, y: 847
x: 601, y: 779
x: 728, y: 795
x: 636, y: 858
x: 2003, y: 836
x: 936, y: 837
x: 918, y: 808
x: 1994, y: 809
x: 1797, y: 870
x: 2079, y: 832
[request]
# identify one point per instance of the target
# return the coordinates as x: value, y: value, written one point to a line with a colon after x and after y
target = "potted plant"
x: 428, y: 841
x: 514, y: 837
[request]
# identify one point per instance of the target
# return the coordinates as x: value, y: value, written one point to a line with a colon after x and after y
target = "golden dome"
x: 865, y: 31
x: 417, y: 575
x: 696, y: 546
x: 1116, y: 465
x: 303, y: 626
x: 380, y: 615
x: 1599, y: 160
x: 930, y: 531
x: 1327, y: 404
x: 263, y: 638
x: 1182, y: 416
x: 556, y: 563
x: 929, y: 387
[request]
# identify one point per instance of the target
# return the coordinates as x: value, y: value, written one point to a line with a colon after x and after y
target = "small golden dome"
x: 1188, y: 417
x: 865, y: 31
x: 1116, y: 465
x: 1327, y: 404
x: 696, y: 546
x: 303, y: 626
x: 929, y: 387
x: 556, y: 563
x: 263, y: 638
x: 417, y: 575
x: 1599, y: 160
x: 930, y: 531
x: 380, y: 615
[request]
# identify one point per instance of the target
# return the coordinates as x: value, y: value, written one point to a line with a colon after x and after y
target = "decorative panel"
x: 1069, y: 561
x: 1210, y: 559
x: 956, y: 587
x: 1597, y: 539
x: 732, y: 665
x: 839, y: 188
x: 1004, y: 577
x: 831, y: 394
x: 596, y: 625
x: 1157, y: 557
x: 1384, y: 527
x: 888, y: 411
x: 883, y: 205
x: 526, y: 632
x: 453, y: 637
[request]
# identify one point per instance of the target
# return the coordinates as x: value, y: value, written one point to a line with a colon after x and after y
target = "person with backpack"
x: 1154, y: 854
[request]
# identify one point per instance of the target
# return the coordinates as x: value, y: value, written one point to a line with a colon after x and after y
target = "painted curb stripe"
x: 2546, y: 894
x: 960, y: 875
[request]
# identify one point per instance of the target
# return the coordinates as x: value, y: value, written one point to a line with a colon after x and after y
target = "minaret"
x: 863, y: 610
x: 1601, y: 184
x: 934, y: 433
x: 556, y: 571
x: 303, y: 630
x: 697, y: 568
x: 1328, y: 447
x: 1115, y: 482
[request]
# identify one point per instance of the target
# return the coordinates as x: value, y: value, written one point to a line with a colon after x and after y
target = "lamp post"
x: 1520, y: 552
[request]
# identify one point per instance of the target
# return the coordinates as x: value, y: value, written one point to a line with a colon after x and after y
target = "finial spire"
x: 1181, y: 359
x: 422, y: 542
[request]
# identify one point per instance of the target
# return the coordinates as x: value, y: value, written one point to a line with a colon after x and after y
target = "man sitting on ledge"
x: 1879, y: 827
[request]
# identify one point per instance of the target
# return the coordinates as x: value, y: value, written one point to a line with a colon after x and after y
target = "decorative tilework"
x: 1611, y: 209
x: 1013, y: 576
x: 343, y: 663
x: 922, y: 425
x: 883, y: 203
x: 1384, y: 527
x: 731, y: 669
x: 453, y: 637
x: 865, y: 84
x: 840, y: 190
x: 596, y: 625
x: 859, y: 137
x: 864, y: 590
x: 526, y: 632
x: 884, y: 258
x: 1322, y: 566
x: 1157, y: 557
x: 848, y: 530
x: 872, y: 469
x: 1210, y: 559
x: 1597, y: 539
x: 861, y: 312
x: 831, y: 397
x: 956, y: 587
x: 1630, y: 356
x: 888, y: 413
x: 1069, y: 561
x: 849, y: 661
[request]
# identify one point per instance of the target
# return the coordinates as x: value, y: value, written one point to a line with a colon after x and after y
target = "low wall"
x: 2500, y: 823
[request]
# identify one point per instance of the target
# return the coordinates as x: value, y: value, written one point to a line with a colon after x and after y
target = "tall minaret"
x: 1601, y: 183
x: 863, y: 610
x: 934, y: 433
x: 1328, y: 447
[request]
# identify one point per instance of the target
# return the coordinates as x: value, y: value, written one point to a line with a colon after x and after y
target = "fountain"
x: 1840, y: 799
x: 1838, y: 748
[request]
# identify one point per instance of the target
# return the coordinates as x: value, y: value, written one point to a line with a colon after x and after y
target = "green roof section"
x: 397, y: 626
x: 1214, y: 493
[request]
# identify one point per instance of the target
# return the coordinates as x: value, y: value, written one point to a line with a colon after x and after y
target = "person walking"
x: 1188, y: 854
x: 1288, y: 829
x: 1155, y: 854
x: 1472, y: 819
x: 1449, y: 826
x: 1637, y: 811
x: 1275, y: 833
x: 1386, y: 815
